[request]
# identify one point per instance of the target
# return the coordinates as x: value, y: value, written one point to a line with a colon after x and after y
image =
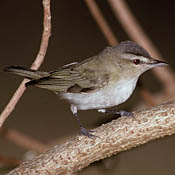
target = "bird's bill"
x: 158, y: 63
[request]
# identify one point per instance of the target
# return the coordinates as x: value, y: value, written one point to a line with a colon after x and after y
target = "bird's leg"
x: 84, y: 131
x: 121, y: 112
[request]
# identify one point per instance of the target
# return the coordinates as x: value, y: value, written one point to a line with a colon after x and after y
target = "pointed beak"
x: 158, y: 63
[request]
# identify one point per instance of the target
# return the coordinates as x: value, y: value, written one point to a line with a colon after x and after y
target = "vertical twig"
x: 103, y: 25
x: 136, y: 33
x: 36, y: 64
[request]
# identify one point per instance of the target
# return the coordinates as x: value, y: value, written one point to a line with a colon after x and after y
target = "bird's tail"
x: 27, y: 73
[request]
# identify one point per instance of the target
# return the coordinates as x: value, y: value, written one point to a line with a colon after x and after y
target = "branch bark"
x: 119, y: 135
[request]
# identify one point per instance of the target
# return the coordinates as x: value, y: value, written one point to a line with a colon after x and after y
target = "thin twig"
x: 36, y: 64
x: 9, y: 161
x: 103, y: 25
x: 136, y: 33
x: 22, y: 140
x: 114, y: 137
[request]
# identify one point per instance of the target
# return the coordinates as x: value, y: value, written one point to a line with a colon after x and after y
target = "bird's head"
x: 132, y: 58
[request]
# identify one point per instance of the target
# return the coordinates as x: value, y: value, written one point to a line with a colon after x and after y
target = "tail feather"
x: 27, y: 73
x: 36, y: 81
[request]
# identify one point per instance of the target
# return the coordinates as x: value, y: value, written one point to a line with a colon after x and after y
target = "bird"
x: 99, y: 82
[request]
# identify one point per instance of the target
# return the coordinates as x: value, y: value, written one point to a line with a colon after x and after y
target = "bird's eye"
x: 136, y: 61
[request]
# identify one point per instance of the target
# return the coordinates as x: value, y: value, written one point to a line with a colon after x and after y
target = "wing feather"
x: 74, y: 78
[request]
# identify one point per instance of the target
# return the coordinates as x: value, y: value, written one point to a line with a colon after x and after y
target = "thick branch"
x: 114, y: 137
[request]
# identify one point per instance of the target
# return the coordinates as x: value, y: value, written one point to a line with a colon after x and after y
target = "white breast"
x: 109, y: 96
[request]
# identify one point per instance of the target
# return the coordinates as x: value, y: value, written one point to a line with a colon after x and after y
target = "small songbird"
x: 102, y: 81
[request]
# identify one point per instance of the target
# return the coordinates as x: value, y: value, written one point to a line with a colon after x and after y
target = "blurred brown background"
x: 76, y: 36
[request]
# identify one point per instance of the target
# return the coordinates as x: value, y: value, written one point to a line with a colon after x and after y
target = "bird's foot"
x: 87, y: 133
x: 126, y: 113
x: 121, y: 112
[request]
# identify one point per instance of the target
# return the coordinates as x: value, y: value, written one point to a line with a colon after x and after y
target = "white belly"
x: 109, y: 96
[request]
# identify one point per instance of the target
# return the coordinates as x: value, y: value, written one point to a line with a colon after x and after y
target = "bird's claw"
x: 121, y: 112
x: 87, y: 133
x: 126, y: 113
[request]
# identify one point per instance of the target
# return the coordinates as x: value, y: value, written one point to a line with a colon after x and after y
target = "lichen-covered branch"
x: 119, y: 135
